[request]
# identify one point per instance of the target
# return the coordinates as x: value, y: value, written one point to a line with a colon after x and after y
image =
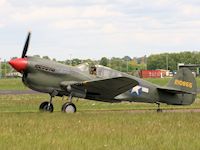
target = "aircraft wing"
x: 104, y: 88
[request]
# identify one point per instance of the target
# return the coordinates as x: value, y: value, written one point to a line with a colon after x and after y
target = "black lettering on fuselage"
x: 44, y: 68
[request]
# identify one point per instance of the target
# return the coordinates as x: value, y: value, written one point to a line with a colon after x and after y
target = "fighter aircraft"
x: 99, y: 83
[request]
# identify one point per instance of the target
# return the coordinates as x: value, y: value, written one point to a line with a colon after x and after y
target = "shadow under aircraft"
x: 99, y: 83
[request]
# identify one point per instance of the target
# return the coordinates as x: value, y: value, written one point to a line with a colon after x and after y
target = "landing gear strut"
x: 48, y: 106
x: 69, y: 107
x: 158, y: 109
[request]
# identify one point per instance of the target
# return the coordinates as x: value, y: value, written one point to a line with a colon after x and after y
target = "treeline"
x: 170, y: 60
x: 125, y: 64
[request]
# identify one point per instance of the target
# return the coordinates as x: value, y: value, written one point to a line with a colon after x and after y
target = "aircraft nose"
x: 19, y: 64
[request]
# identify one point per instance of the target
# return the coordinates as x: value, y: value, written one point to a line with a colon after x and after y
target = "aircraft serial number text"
x: 183, y: 83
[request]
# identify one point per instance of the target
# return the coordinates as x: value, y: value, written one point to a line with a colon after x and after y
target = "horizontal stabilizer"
x: 174, y: 91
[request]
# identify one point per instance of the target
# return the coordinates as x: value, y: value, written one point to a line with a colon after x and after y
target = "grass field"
x: 12, y: 84
x: 92, y: 127
x: 91, y: 130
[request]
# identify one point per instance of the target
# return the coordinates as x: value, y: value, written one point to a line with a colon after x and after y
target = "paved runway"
x: 17, y: 92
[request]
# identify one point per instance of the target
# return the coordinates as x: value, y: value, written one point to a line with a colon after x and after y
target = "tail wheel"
x: 159, y: 110
x: 68, y: 108
x: 46, y: 107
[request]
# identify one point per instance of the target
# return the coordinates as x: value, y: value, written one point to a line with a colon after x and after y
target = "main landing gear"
x: 68, y: 107
x: 48, y: 106
x: 158, y: 109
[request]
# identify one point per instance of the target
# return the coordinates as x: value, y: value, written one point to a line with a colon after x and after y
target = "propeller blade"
x: 26, y: 45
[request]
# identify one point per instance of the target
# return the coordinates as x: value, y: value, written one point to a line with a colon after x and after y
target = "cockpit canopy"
x: 99, y: 71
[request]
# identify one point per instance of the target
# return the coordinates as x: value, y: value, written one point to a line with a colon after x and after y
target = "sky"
x: 65, y: 29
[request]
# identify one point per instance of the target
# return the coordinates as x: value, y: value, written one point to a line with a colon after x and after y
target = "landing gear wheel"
x: 159, y: 110
x: 68, y: 108
x: 46, y: 107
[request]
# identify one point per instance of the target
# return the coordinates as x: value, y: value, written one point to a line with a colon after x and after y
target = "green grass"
x: 22, y: 126
x: 12, y: 84
x: 30, y: 103
x: 159, y: 81
x: 99, y: 131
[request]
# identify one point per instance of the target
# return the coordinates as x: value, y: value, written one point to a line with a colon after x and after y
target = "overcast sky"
x: 98, y: 28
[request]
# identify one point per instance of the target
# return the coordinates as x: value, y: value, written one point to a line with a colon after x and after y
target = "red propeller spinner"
x: 19, y: 64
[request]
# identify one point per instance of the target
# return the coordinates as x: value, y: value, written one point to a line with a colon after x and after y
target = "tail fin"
x: 184, y: 82
x: 181, y: 90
